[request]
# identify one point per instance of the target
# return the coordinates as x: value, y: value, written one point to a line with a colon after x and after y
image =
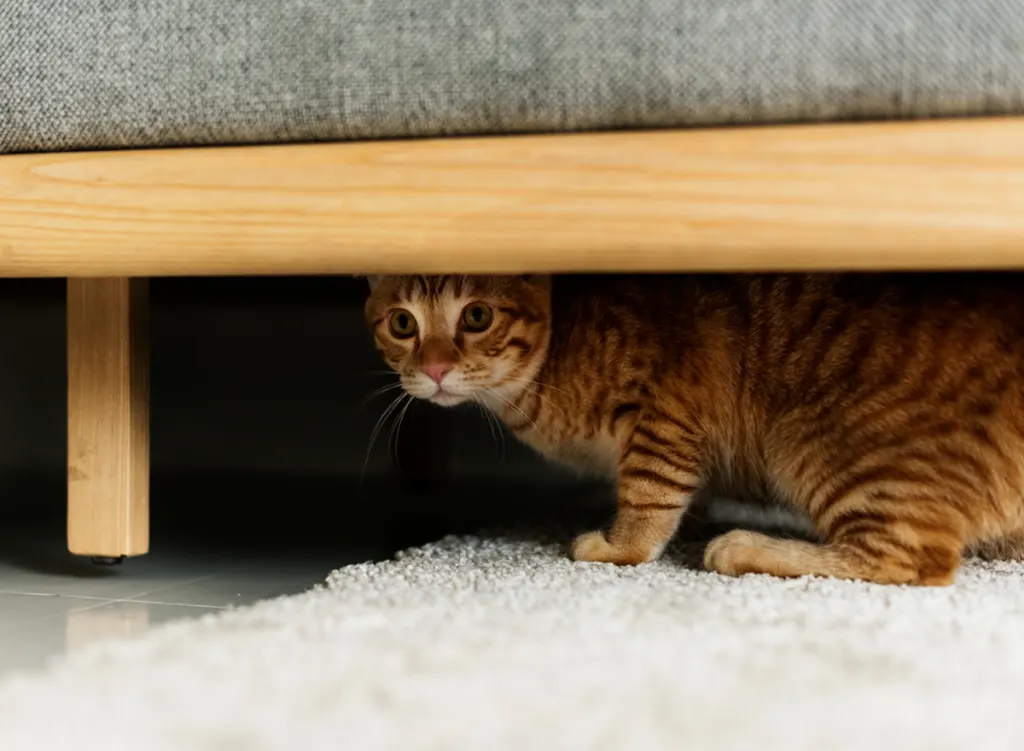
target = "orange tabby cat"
x: 889, y: 409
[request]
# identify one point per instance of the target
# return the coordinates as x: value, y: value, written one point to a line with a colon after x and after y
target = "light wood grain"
x: 108, y: 417
x: 941, y: 194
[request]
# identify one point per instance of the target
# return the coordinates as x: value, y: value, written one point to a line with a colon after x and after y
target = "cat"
x: 887, y: 408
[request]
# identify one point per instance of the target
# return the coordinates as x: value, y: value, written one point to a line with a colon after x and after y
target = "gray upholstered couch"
x: 129, y: 73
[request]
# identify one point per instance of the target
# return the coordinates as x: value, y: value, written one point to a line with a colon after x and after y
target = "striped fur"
x: 888, y: 408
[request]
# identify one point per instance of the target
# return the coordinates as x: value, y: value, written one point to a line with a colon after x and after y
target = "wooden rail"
x: 930, y: 195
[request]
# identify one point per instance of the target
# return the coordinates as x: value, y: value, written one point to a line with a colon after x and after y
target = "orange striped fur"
x: 888, y: 408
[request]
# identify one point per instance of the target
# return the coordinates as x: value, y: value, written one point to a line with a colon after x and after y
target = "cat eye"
x: 476, y: 317
x: 401, y: 323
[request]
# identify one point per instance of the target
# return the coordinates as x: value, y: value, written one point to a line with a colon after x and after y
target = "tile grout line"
x: 173, y: 604
x: 98, y: 603
x: 108, y: 600
x: 169, y: 586
x: 133, y: 597
x: 56, y: 595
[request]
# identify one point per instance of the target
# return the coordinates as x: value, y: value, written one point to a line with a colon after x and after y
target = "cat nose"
x: 437, y: 372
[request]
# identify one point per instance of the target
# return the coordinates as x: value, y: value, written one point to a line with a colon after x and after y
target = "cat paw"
x: 733, y: 554
x: 594, y: 547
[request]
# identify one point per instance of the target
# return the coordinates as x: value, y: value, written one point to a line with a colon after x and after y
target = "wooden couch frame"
x: 943, y: 194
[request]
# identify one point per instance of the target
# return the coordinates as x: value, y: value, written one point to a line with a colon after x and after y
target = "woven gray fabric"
x: 117, y: 73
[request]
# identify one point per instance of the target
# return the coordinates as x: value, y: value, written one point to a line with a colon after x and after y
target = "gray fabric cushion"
x: 112, y: 73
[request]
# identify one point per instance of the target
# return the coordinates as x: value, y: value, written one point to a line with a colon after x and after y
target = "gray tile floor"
x: 217, y: 543
x: 52, y: 603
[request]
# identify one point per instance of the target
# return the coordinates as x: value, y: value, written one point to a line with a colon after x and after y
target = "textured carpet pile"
x: 501, y: 643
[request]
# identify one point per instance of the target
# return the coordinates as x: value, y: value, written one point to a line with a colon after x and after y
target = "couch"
x: 141, y: 138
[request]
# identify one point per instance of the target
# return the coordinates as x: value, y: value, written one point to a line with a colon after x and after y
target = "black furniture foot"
x: 108, y: 560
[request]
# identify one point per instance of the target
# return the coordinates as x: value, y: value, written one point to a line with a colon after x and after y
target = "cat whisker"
x: 516, y: 407
x: 377, y: 392
x: 398, y: 401
x: 499, y: 431
x: 495, y: 427
x: 534, y: 382
x: 534, y: 387
x: 396, y: 455
x: 536, y: 392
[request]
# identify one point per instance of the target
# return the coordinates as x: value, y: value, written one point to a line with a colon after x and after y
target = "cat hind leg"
x: 865, y: 546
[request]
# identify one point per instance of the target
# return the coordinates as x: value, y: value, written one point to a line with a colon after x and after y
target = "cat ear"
x: 373, y: 280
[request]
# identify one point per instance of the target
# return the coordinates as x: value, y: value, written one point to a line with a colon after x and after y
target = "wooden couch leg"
x: 108, y: 417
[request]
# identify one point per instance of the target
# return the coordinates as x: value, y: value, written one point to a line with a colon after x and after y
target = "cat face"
x: 454, y: 339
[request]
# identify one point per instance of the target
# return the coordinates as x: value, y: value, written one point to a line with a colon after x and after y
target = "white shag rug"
x: 493, y: 644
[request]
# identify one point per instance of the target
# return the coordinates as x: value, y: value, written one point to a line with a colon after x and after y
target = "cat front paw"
x: 594, y: 547
x: 591, y: 546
